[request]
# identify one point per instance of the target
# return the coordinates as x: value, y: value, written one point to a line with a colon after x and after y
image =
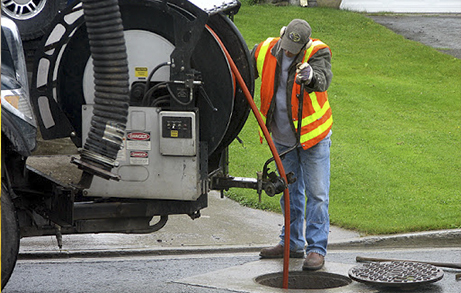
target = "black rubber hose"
x: 110, y: 65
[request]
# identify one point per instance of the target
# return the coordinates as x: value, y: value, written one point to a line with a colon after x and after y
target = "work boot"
x: 277, y: 252
x: 313, y: 261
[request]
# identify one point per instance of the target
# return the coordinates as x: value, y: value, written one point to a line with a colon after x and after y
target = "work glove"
x: 304, y: 73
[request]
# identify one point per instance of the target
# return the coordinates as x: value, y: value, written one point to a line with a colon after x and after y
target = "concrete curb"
x: 441, y: 238
x: 29, y: 255
x: 432, y: 239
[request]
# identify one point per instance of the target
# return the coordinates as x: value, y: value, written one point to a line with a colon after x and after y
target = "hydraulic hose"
x: 278, y: 161
x: 110, y: 65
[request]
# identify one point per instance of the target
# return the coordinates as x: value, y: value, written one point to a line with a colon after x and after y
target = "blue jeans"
x: 311, y: 169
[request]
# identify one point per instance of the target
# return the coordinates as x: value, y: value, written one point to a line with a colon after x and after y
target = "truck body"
x: 144, y: 91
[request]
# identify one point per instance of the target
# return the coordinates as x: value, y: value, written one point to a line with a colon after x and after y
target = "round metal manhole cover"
x: 304, y: 280
x: 396, y: 273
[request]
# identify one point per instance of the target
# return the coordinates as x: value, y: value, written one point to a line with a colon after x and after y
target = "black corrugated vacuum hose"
x: 108, y: 50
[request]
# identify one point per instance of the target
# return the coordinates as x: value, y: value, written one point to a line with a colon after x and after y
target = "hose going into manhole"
x: 278, y: 161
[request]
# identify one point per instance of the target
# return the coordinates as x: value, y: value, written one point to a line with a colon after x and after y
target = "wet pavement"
x: 229, y: 228
x: 212, y: 273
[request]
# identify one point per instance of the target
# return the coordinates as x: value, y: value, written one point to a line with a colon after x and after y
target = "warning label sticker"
x: 139, y: 158
x: 138, y: 141
x: 141, y: 72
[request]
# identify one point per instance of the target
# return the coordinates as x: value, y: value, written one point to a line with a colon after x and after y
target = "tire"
x: 33, y: 17
x: 10, y: 235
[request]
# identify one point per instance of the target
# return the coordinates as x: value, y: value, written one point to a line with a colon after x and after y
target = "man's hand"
x: 304, y: 73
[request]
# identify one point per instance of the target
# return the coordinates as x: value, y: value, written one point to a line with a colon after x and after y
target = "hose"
x: 148, y: 94
x: 278, y: 161
x: 152, y: 74
x: 107, y: 46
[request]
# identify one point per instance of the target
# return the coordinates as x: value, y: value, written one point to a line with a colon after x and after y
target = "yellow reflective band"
x: 316, y: 132
x: 316, y: 115
x: 261, y: 57
x: 315, y: 102
x: 308, y: 53
x: 310, y: 49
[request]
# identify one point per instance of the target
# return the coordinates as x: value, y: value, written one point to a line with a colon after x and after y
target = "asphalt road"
x: 103, y: 275
x: 202, y: 273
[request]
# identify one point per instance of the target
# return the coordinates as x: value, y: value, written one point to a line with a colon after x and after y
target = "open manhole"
x: 304, y: 280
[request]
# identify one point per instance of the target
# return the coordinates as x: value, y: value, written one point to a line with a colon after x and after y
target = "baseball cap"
x: 296, y: 35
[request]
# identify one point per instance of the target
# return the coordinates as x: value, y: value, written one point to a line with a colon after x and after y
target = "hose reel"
x: 63, y: 72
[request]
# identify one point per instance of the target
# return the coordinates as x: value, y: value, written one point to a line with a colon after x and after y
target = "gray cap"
x: 295, y: 36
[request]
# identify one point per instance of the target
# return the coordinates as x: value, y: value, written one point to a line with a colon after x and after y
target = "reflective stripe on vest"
x: 319, y: 112
x: 316, y: 122
x: 315, y: 44
x: 305, y: 138
x: 261, y: 57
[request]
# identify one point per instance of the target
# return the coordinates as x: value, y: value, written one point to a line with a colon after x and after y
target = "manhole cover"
x: 396, y: 273
x: 304, y: 280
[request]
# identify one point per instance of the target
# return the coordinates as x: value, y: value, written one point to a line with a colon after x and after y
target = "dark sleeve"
x: 253, y: 60
x: 321, y: 65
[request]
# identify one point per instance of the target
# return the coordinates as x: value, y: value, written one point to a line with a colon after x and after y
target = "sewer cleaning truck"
x: 147, y: 92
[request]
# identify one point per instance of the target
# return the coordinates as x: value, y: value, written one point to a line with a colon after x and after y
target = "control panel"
x: 178, y: 133
x: 176, y: 127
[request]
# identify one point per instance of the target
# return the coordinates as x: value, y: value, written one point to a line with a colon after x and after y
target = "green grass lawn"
x: 396, y: 153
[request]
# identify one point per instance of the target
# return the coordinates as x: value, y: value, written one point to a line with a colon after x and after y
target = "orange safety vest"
x: 316, y: 117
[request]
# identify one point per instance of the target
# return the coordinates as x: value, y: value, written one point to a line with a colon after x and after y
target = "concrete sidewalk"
x: 225, y: 226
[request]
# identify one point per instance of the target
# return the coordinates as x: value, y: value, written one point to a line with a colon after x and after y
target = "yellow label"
x: 174, y: 133
x: 141, y: 72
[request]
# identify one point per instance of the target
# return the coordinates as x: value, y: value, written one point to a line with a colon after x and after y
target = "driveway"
x: 440, y: 31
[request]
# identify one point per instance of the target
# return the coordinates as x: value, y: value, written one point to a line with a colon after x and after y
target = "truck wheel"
x: 32, y: 17
x: 10, y: 235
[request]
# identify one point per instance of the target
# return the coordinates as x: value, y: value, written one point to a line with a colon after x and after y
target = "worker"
x: 287, y: 64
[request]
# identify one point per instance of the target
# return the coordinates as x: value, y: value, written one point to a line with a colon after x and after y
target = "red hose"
x: 278, y: 161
